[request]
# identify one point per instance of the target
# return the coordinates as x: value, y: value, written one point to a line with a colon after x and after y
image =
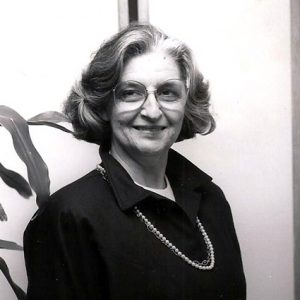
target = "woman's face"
x: 151, y: 128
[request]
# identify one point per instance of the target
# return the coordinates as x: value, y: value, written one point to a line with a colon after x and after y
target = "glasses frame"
x: 150, y: 91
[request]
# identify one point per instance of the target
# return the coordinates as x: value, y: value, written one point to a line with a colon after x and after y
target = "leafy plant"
x: 37, y: 170
x: 18, y: 291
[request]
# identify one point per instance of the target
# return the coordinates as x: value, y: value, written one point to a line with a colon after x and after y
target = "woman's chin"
x: 152, y: 149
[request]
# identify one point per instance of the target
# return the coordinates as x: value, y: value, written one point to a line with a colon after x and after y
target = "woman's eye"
x: 168, y: 94
x: 131, y: 95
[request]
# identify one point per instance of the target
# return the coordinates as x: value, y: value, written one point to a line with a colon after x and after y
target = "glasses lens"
x: 171, y: 92
x: 129, y: 92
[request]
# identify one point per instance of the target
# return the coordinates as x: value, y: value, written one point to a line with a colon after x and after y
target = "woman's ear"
x: 105, y: 111
x: 104, y: 114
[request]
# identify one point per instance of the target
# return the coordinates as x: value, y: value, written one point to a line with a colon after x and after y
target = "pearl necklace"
x: 206, y: 264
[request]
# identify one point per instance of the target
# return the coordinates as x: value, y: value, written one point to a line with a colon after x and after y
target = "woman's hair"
x: 89, y: 98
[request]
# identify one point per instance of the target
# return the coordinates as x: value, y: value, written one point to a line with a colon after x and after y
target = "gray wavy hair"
x: 90, y: 97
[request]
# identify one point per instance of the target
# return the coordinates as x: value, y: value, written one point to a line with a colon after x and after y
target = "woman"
x: 147, y: 223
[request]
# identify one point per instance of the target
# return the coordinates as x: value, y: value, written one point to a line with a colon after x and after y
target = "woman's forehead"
x: 151, y: 67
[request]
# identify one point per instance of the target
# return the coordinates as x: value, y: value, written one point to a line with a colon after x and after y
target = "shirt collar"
x: 185, y: 179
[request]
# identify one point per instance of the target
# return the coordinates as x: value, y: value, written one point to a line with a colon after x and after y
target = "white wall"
x: 243, y: 48
x: 44, y: 46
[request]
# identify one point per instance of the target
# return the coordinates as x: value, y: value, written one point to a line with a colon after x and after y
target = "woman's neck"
x: 148, y: 170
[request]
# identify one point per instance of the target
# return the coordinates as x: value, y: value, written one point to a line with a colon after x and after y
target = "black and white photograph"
x: 150, y: 150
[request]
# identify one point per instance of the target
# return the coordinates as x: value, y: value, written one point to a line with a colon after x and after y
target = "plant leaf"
x: 10, y: 245
x: 3, y: 216
x: 36, y: 168
x: 50, y: 118
x: 50, y: 124
x: 15, y: 181
x: 18, y: 291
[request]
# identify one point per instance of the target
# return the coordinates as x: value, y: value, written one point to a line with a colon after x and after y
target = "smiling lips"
x: 149, y: 128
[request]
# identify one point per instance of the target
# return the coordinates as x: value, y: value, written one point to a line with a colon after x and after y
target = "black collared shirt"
x: 87, y: 243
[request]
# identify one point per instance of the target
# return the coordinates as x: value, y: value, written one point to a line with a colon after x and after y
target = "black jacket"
x: 87, y: 243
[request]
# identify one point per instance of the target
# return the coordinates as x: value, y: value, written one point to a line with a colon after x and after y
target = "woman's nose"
x: 151, y: 108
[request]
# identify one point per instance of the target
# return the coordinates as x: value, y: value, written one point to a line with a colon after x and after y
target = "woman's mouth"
x: 149, y: 128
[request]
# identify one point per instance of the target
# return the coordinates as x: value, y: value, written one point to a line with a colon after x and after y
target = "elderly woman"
x: 146, y: 223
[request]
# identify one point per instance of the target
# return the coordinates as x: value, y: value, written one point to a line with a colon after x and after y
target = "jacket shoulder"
x: 213, y: 196
x: 79, y: 196
x: 80, y: 186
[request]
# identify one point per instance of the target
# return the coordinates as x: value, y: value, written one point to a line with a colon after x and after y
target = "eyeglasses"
x: 132, y: 94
